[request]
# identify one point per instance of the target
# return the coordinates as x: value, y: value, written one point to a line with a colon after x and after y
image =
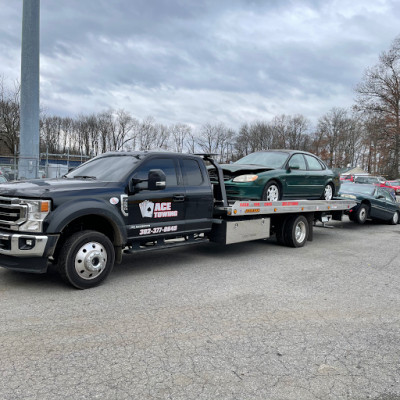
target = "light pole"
x: 28, y: 164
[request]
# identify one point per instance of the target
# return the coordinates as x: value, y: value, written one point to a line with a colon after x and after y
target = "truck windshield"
x: 107, y: 169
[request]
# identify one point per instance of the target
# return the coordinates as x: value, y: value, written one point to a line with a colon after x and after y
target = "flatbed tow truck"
x: 128, y: 202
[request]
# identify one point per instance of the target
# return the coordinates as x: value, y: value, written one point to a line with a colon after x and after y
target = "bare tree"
x: 9, y: 117
x: 179, y: 134
x: 379, y: 93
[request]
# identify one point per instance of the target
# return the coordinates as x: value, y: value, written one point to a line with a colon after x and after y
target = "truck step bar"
x: 165, y: 243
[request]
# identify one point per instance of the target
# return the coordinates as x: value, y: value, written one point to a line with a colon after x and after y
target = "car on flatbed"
x: 279, y: 175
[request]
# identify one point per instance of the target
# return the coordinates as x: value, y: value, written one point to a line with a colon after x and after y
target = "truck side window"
x: 192, y: 175
x: 166, y: 164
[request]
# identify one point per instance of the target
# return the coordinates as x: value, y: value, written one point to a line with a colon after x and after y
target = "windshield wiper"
x: 84, y: 177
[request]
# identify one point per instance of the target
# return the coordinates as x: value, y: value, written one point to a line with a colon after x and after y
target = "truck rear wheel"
x: 86, y: 259
x: 296, y: 231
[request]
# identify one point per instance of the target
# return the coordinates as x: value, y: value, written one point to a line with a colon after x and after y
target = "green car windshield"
x: 272, y: 159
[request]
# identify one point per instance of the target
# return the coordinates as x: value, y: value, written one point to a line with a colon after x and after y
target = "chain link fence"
x: 49, y: 166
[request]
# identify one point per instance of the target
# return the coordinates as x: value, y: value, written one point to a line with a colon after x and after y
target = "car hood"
x: 47, y: 188
x: 234, y: 168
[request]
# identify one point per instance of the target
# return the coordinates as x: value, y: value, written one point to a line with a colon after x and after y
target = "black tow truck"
x: 128, y: 202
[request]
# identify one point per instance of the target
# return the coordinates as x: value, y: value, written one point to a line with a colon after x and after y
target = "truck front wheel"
x: 86, y: 259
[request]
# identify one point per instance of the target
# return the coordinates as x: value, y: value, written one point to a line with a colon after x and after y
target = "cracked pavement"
x: 240, y: 322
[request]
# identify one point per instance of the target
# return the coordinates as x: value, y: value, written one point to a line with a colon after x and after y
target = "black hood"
x: 47, y: 188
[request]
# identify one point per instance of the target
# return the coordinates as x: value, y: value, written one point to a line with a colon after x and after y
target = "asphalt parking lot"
x: 248, y: 321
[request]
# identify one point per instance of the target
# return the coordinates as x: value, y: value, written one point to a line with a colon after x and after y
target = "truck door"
x: 152, y: 213
x: 198, y: 195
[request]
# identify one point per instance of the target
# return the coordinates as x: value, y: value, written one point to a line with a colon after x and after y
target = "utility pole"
x: 29, y: 115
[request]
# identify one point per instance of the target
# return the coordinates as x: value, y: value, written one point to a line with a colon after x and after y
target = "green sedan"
x: 277, y: 175
x: 373, y: 202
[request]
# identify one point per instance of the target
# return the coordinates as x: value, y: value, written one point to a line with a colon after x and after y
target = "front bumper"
x: 26, y: 252
x: 248, y: 191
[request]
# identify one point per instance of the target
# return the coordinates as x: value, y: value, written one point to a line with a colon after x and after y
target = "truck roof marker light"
x: 302, y: 208
x: 45, y: 206
x: 235, y: 212
x: 275, y: 209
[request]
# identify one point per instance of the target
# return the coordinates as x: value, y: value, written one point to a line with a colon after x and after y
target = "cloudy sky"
x: 199, y: 61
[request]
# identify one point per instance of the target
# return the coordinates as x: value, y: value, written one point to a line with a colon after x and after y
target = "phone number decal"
x: 160, y: 229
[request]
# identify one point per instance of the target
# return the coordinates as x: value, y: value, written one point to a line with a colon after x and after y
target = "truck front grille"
x: 12, y: 213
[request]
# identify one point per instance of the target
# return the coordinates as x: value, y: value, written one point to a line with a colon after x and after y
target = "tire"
x: 86, y: 259
x: 280, y: 232
x: 361, y: 214
x: 395, y: 219
x: 328, y: 192
x: 272, y: 192
x: 296, y: 231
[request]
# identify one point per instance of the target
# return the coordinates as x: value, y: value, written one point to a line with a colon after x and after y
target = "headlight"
x: 348, y: 196
x: 37, y: 211
x: 245, y: 178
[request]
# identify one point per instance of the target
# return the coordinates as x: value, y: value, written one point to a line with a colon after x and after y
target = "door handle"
x: 178, y: 197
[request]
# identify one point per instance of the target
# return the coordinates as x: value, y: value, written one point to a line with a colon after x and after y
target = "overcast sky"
x: 199, y: 61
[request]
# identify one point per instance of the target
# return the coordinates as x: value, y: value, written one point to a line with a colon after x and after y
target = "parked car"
x: 279, y: 174
x: 370, y: 180
x: 347, y: 178
x: 373, y: 202
x: 3, y: 179
x: 395, y: 185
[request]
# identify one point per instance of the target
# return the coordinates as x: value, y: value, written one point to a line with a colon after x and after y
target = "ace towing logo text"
x: 149, y: 209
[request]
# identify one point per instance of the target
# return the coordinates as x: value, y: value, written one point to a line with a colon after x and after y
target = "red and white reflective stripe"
x: 290, y: 203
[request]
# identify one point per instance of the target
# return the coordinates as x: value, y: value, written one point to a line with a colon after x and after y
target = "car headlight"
x: 245, y: 178
x: 36, y: 212
x: 348, y: 196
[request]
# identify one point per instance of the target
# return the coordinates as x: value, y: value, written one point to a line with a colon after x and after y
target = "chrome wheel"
x: 395, y: 218
x: 328, y: 192
x: 90, y: 260
x: 273, y: 193
x: 361, y: 214
x: 300, y: 232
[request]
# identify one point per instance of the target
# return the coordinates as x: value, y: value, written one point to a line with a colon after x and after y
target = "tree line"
x: 367, y: 135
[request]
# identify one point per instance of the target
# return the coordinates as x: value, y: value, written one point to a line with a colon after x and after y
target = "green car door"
x: 296, y: 177
x: 316, y: 176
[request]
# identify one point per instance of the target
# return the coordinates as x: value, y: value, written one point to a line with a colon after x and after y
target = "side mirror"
x: 156, y: 179
x: 294, y: 166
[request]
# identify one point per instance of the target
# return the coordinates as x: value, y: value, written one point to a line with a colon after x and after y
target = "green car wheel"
x: 272, y: 192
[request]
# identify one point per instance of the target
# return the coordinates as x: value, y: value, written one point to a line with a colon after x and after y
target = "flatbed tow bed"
x: 291, y: 221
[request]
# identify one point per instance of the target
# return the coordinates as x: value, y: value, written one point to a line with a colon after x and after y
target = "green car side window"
x: 297, y: 160
x: 313, y: 163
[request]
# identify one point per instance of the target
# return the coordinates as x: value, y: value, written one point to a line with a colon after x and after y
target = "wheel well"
x: 273, y: 180
x: 88, y: 222
x: 277, y: 181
